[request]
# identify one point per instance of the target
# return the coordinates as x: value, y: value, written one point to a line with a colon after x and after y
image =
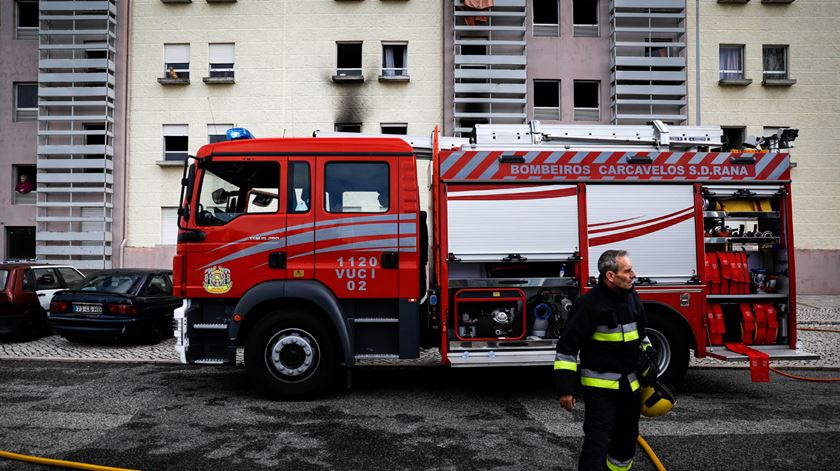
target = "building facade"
x: 63, y: 129
x: 277, y: 68
x: 770, y: 64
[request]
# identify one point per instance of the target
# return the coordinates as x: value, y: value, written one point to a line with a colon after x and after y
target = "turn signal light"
x: 123, y: 309
x: 59, y: 306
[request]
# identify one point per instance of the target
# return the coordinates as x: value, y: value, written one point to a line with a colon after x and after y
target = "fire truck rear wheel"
x: 290, y: 355
x: 671, y: 345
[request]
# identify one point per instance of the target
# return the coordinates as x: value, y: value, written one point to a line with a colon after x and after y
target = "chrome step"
x: 376, y: 320
x: 208, y: 326
x: 488, y: 357
x: 210, y: 361
x: 376, y: 356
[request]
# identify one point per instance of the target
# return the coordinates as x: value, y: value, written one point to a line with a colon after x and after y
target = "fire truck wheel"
x: 671, y: 345
x: 289, y: 354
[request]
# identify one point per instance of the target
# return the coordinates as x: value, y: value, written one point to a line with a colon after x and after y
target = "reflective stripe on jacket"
x: 606, y: 329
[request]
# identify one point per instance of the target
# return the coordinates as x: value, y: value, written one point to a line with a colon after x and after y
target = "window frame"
x: 349, y: 71
x: 183, y: 69
x: 546, y: 109
x: 403, y: 126
x: 290, y: 187
x: 546, y: 29
x: 337, y: 125
x: 215, y: 127
x: 743, y: 57
x: 25, y: 114
x: 785, y: 60
x: 25, y: 32
x: 397, y: 71
x: 582, y: 109
x: 186, y: 135
x: 221, y: 69
x: 324, y: 198
x: 587, y: 30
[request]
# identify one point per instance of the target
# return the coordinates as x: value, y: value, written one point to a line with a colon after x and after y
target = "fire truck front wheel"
x: 670, y: 344
x: 289, y: 354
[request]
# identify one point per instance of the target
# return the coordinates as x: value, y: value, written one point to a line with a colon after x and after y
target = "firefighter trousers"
x: 610, y: 426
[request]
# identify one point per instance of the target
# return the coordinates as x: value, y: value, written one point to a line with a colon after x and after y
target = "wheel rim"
x: 663, y: 348
x: 292, y: 355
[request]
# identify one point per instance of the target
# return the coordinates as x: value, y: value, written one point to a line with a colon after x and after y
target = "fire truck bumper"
x: 182, y: 340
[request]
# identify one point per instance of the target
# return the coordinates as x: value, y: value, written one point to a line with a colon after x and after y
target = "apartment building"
x: 564, y: 61
x: 767, y: 64
x: 63, y: 84
x: 277, y: 68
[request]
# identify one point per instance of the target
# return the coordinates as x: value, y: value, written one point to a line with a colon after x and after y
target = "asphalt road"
x: 160, y: 417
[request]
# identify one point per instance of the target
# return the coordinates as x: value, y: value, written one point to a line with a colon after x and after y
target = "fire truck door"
x: 654, y: 223
x: 357, y: 230
x: 300, y: 218
x: 240, y: 208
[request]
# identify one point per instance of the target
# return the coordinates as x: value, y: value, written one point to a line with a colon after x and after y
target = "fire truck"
x: 315, y: 254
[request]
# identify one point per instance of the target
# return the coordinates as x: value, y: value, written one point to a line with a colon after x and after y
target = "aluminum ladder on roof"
x: 657, y: 136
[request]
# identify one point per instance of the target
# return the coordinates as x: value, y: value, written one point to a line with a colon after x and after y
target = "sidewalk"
x: 812, y: 312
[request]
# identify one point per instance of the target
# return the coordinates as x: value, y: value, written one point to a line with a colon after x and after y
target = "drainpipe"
x: 697, y: 118
x: 127, y: 8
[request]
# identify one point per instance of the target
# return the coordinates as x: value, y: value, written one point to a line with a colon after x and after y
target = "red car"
x: 25, y: 294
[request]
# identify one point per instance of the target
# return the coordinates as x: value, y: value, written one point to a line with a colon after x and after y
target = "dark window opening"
x: 585, y: 12
x: 394, y: 128
x: 176, y: 147
x: 349, y: 58
x: 348, y: 127
x: 586, y: 94
x: 546, y: 12
x: 20, y: 243
x: 546, y: 93
x: 27, y: 14
x: 733, y: 138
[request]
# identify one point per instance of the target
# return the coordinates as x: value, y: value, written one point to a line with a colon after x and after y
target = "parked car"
x: 25, y: 293
x: 134, y: 304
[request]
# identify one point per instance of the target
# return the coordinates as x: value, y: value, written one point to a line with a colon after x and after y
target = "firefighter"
x: 607, y: 327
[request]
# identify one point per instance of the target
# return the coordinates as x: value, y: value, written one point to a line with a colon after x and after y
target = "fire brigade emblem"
x: 217, y: 280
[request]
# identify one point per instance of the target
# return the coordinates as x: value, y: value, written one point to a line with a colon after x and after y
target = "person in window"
x: 24, y: 185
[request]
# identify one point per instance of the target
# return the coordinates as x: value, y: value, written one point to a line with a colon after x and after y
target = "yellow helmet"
x: 657, y: 400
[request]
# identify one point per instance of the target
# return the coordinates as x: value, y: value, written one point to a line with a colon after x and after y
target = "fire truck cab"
x: 314, y: 253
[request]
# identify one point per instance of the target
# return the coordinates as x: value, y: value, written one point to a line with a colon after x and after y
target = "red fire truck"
x: 317, y: 253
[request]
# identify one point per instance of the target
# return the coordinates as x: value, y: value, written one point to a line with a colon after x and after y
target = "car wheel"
x: 671, y: 347
x: 290, y: 354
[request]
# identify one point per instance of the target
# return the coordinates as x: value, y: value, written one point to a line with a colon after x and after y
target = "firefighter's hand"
x: 567, y: 402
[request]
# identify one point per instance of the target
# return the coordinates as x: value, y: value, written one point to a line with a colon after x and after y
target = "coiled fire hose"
x: 58, y: 463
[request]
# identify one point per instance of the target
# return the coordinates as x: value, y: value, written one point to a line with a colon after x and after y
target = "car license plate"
x: 87, y: 308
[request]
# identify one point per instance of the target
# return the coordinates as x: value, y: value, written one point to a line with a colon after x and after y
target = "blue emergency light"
x: 234, y: 134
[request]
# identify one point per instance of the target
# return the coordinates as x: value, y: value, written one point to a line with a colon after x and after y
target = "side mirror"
x: 219, y: 196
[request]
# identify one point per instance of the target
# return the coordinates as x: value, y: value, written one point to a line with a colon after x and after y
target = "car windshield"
x: 4, y: 275
x: 122, y: 283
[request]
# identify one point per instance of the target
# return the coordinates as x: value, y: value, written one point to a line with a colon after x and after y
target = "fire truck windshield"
x: 229, y: 189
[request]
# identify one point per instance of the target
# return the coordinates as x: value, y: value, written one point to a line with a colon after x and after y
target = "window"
x: 299, y: 188
x: 71, y: 276
x: 159, y: 285
x: 27, y: 19
x: 732, y: 62
x: 221, y: 60
x: 348, y: 127
x: 176, y: 142
x: 349, y: 58
x: 46, y: 278
x: 394, y: 128
x: 547, y: 99
x: 232, y: 189
x: 217, y: 132
x: 25, y: 184
x: 168, y: 226
x: 546, y: 18
x: 585, y: 18
x: 733, y: 137
x: 346, y: 191
x: 775, y: 62
x: 20, y: 243
x: 176, y: 61
x: 587, y: 100
x: 394, y: 59
x: 26, y: 102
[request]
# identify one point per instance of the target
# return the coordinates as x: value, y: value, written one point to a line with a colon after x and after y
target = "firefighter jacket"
x: 607, y: 328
